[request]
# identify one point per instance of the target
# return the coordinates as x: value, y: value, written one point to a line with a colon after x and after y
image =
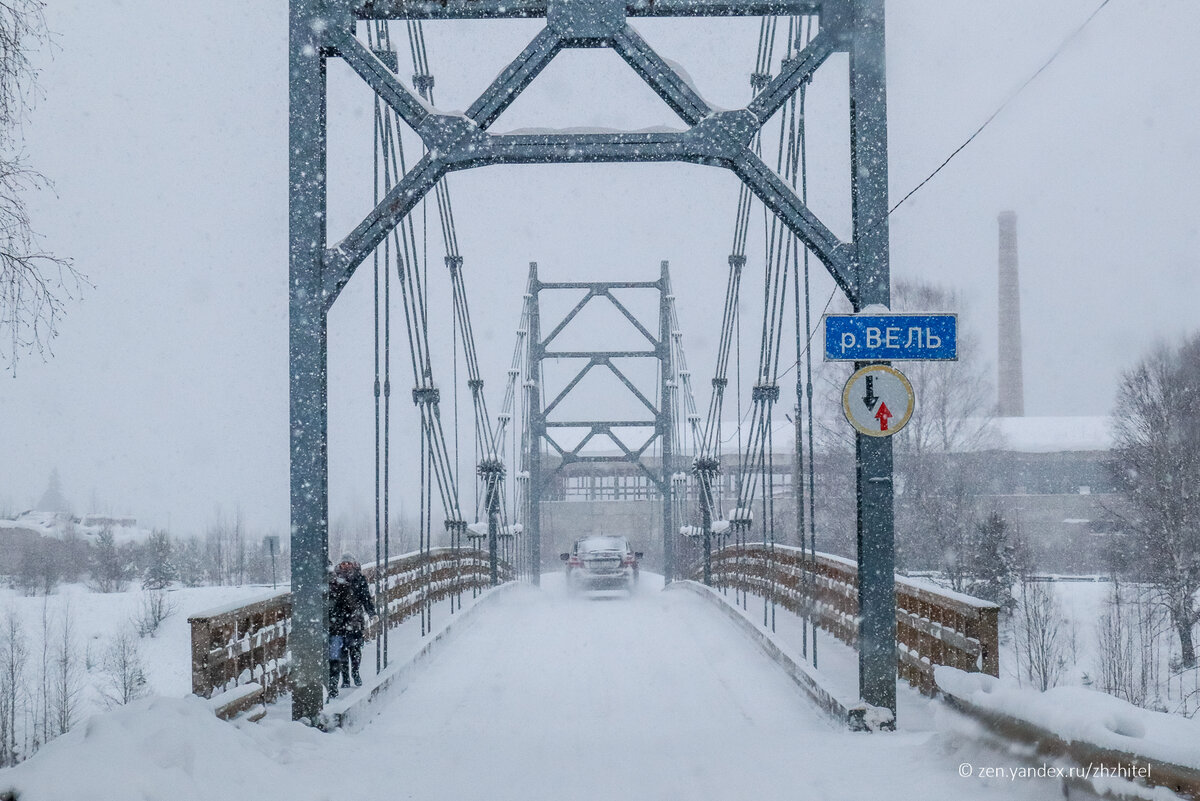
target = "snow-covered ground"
x: 1152, y: 646
x: 540, y: 696
x: 98, y: 618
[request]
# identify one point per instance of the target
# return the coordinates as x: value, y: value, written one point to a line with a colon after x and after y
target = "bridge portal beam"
x: 526, y: 9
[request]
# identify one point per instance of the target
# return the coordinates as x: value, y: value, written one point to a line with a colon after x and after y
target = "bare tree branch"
x: 35, y: 284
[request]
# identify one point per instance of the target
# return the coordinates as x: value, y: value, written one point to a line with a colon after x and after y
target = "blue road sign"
x: 891, y: 337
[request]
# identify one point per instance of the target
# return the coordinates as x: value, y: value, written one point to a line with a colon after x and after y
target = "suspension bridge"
x: 810, y: 33
x: 745, y: 595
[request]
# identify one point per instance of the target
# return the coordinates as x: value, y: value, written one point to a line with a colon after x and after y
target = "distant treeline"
x: 224, y: 555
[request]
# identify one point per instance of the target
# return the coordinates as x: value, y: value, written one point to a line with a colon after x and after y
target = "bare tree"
x: 125, y: 678
x: 34, y: 283
x: 936, y: 505
x: 1040, y: 625
x: 41, y: 709
x: 1117, y: 654
x: 156, y: 606
x: 1157, y: 458
x: 67, y: 679
x: 14, y: 654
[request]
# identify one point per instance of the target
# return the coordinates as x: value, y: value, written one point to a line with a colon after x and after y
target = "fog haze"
x: 164, y: 129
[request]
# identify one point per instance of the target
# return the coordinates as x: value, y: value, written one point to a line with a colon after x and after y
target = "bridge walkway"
x: 660, y: 696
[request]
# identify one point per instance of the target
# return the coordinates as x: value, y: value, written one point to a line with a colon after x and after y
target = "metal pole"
x: 537, y: 429
x: 705, y: 480
x: 493, y: 507
x: 869, y: 197
x: 308, y: 640
x: 665, y: 422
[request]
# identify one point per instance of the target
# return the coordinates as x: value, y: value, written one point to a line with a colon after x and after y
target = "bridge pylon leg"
x: 537, y: 426
x: 665, y: 423
x: 309, y: 637
x: 869, y: 196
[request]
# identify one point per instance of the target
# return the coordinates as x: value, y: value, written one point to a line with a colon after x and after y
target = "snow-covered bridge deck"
x: 656, y: 697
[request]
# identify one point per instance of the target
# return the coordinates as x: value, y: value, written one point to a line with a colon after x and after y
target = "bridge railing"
x: 933, y: 626
x: 239, y: 651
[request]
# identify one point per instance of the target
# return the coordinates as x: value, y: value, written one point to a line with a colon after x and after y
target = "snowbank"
x: 169, y: 749
x: 60, y: 525
x: 1081, y: 715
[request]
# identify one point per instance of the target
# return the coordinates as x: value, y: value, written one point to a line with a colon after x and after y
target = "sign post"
x: 878, y: 401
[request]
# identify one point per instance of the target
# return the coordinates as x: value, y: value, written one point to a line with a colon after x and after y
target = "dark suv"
x: 602, y: 563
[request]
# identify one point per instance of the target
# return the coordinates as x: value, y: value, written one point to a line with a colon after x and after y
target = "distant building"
x: 1052, y: 478
x: 1048, y: 476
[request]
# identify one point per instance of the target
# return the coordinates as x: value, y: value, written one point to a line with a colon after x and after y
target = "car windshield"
x: 601, y: 544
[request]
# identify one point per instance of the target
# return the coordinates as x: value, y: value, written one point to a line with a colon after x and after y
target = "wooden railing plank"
x: 238, y: 645
x: 932, y: 627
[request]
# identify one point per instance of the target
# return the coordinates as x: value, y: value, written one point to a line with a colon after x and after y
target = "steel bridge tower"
x: 661, y: 415
x: 321, y: 30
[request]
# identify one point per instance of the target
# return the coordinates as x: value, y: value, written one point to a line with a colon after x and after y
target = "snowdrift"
x: 169, y: 749
x: 1086, y: 726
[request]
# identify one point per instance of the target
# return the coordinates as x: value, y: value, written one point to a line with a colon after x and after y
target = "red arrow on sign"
x: 883, y: 415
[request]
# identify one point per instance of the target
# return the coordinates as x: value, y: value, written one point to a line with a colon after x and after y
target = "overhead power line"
x: 1053, y: 56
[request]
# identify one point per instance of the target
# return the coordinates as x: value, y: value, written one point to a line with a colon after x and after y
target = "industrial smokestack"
x: 1011, y: 385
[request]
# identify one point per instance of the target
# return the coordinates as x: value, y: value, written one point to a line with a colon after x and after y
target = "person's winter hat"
x: 347, y: 557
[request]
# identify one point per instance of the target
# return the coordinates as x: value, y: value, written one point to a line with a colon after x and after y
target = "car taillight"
x: 574, y: 562
x: 628, y: 560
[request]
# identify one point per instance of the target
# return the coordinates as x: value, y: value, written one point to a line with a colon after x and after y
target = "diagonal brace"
x: 342, y: 259
x: 515, y: 78
x: 629, y: 316
x: 778, y: 196
x: 408, y: 105
x: 663, y: 78
x: 574, y: 383
x: 571, y: 315
x: 625, y: 380
x: 794, y: 73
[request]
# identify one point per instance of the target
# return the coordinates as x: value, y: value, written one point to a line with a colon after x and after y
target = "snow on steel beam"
x: 520, y: 9
x: 721, y: 139
x: 598, y: 285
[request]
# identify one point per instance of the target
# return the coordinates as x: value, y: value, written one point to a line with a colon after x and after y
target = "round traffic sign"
x: 878, y: 400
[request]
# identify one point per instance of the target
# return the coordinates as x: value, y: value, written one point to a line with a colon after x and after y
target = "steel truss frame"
x: 662, y: 416
x: 324, y: 29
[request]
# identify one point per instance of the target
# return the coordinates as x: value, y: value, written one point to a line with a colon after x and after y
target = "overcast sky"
x: 164, y: 129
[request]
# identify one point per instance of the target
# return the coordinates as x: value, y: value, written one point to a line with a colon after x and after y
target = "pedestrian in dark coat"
x: 349, y: 600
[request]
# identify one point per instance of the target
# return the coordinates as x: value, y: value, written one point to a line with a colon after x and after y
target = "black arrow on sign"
x: 870, y: 399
